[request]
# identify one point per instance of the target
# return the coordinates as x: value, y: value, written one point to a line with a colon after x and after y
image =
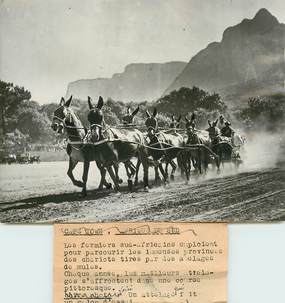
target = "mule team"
x: 108, y: 146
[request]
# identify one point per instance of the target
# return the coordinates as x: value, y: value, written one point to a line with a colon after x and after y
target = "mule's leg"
x: 189, y: 164
x: 174, y: 167
x: 137, y: 171
x: 166, y: 169
x: 127, y: 169
x: 144, y: 161
x: 180, y: 165
x: 85, y: 177
x: 183, y: 158
x: 145, y: 176
x: 164, y: 174
x: 130, y: 169
x: 217, y: 161
x: 72, y: 164
x: 182, y: 171
x: 116, y: 169
x: 113, y: 177
x: 103, y: 181
x: 205, y: 164
x: 182, y: 161
x: 156, y: 175
x: 103, y: 175
x: 200, y: 160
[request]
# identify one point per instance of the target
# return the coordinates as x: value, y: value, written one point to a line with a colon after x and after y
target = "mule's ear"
x: 186, y: 119
x: 154, y: 112
x: 100, y: 103
x: 179, y: 118
x: 172, y: 118
x: 61, y: 102
x: 135, y: 111
x: 193, y: 116
x: 67, y: 103
x: 147, y: 114
x: 209, y: 122
x: 91, y: 105
x: 215, y: 123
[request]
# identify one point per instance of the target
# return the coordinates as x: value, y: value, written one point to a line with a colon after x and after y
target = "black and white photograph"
x: 142, y: 110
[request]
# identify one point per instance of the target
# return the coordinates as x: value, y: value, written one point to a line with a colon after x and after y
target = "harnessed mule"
x: 121, y: 145
x: 163, y: 147
x: 65, y: 120
x: 199, y: 151
x: 220, y: 145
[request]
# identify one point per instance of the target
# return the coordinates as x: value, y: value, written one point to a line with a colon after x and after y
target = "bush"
x: 267, y: 112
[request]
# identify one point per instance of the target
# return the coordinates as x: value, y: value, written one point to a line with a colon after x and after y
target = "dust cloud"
x: 263, y: 150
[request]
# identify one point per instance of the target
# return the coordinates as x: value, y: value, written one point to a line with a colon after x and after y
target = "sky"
x: 45, y: 44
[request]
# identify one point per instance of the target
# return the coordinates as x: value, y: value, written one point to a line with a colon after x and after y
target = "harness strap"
x: 64, y: 123
x: 187, y: 147
x: 95, y: 124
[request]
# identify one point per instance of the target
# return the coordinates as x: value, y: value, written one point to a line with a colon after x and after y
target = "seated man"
x: 227, y: 131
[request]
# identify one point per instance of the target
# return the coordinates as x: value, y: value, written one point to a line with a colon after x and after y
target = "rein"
x: 170, y: 147
x: 151, y: 146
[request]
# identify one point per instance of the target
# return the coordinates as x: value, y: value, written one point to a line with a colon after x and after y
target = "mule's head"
x: 190, y: 123
x: 175, y: 123
x: 151, y: 121
x: 129, y: 117
x: 213, y: 130
x: 61, y: 115
x: 96, y: 118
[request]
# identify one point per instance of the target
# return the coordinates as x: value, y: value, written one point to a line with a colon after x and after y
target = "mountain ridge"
x: 138, y: 82
x: 245, y: 52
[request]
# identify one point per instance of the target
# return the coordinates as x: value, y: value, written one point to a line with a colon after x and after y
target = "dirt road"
x: 43, y: 193
x: 253, y: 196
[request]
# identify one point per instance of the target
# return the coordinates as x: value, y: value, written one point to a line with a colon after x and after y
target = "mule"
x: 117, y: 145
x: 163, y: 147
x: 65, y: 120
x: 222, y: 146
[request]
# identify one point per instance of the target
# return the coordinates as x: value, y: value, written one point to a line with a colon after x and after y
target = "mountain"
x: 138, y: 82
x: 248, y: 60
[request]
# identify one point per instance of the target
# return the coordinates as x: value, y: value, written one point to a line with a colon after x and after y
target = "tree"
x: 187, y: 100
x: 34, y: 124
x: 15, y: 142
x: 11, y: 97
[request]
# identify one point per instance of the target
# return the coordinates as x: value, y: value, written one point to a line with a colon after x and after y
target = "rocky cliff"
x: 138, y: 82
